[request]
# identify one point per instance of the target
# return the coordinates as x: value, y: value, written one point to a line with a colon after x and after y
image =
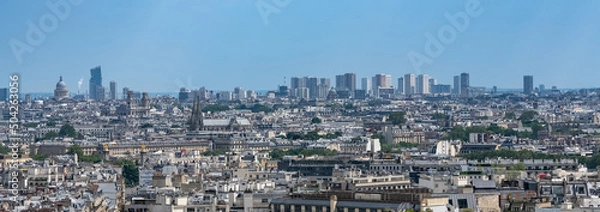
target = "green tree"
x: 67, y: 131
x: 528, y: 115
x: 397, y: 118
x: 316, y: 120
x: 439, y: 116
x: 39, y: 157
x: 51, y: 124
x: 5, y: 150
x: 75, y: 149
x: 510, y: 115
x: 130, y: 172
x: 50, y: 135
x: 146, y: 125
x: 380, y: 137
x: 30, y: 125
x: 215, y: 152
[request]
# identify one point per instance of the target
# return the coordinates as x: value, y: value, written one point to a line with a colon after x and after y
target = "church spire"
x: 196, y: 121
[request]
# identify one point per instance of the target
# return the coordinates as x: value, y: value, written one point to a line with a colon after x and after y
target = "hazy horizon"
x: 160, y: 46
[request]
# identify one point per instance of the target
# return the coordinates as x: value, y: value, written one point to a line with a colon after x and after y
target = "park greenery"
x: 439, y: 116
x: 30, y: 125
x: 67, y: 131
x: 396, y: 148
x: 76, y: 150
x: 277, y: 154
x: 39, y: 157
x: 590, y: 162
x: 312, y: 135
x: 215, y: 152
x: 256, y: 108
x: 397, y: 118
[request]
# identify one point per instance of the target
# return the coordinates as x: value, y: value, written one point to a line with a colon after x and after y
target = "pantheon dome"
x: 61, y: 91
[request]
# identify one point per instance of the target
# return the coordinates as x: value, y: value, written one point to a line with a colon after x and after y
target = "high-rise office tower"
x: 96, y: 89
x: 409, y: 84
x: 456, y: 88
x: 432, y: 81
x: 464, y: 85
x: 346, y: 81
x: 184, y: 94
x: 422, y: 84
x: 297, y: 82
x: 3, y: 94
x: 382, y: 81
x: 125, y: 92
x: 113, y: 90
x: 312, y: 83
x: 400, y: 85
x: 528, y: 84
x: 325, y: 81
x: 366, y: 84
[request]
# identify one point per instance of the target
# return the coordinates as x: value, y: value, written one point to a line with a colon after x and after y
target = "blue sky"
x: 151, y: 45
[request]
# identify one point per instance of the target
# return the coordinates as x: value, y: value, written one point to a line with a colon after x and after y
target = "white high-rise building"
x: 422, y: 84
x: 409, y: 84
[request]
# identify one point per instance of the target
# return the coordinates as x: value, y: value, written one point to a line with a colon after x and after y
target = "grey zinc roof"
x: 349, y: 204
x: 216, y: 122
x: 479, y: 183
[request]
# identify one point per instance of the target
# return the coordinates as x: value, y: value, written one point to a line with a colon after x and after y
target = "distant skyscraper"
x: 366, y: 84
x: 346, y: 81
x: 464, y: 85
x: 456, y: 88
x: 312, y: 83
x: 325, y: 81
x: 422, y: 84
x: 184, y: 95
x: 382, y: 81
x: 125, y: 92
x: 96, y: 89
x: 528, y: 84
x: 113, y: 90
x: 350, y: 79
x: 3, y: 94
x: 400, y: 85
x: 432, y: 81
x: 409, y: 84
x: 297, y: 82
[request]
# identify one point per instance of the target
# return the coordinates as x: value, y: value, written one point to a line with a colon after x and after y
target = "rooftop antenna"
x: 284, y: 81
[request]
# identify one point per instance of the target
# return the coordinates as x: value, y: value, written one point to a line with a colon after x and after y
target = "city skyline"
x: 150, y: 40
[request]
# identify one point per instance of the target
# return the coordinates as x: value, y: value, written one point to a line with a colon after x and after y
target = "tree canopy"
x: 397, y: 118
x: 67, y: 131
x: 316, y: 120
x: 130, y: 172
